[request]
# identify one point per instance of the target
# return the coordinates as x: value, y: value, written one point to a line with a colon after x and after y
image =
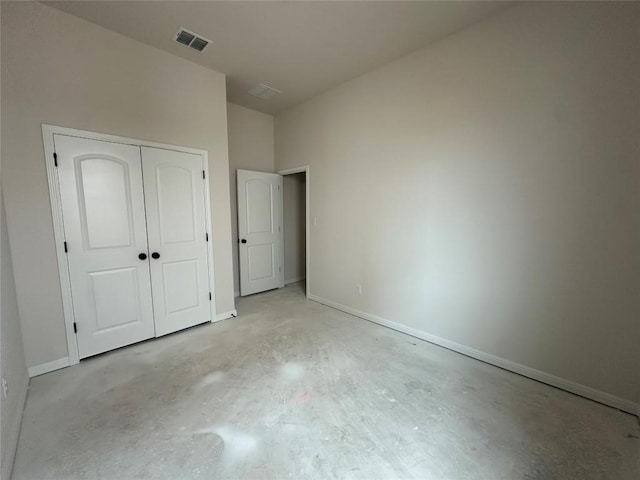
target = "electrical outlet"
x: 359, y: 288
x: 5, y: 388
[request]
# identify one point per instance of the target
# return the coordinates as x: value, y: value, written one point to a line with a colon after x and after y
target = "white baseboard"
x: 561, y: 383
x: 9, y: 450
x: 48, y: 367
x: 225, y: 315
x: 295, y: 280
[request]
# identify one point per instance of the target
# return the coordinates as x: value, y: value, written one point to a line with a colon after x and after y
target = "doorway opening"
x: 296, y: 226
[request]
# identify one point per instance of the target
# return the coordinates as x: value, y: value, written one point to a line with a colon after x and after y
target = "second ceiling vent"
x: 191, y: 40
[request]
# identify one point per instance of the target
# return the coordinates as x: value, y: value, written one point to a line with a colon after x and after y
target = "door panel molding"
x: 81, y: 186
x: 48, y: 132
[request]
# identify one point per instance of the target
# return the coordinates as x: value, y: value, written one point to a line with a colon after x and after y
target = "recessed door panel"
x: 175, y: 204
x: 259, y: 206
x: 103, y: 193
x: 261, y: 262
x: 181, y: 285
x: 175, y: 200
x: 260, y: 231
x: 105, y: 231
x: 116, y: 298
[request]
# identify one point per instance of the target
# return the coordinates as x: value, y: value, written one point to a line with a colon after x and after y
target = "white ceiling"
x: 301, y: 48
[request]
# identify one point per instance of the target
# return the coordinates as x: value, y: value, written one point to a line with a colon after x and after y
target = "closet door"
x: 106, y: 240
x: 175, y: 205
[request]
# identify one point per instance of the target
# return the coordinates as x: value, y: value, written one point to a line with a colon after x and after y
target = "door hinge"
x: 209, y: 296
x: 75, y: 327
x: 66, y: 249
x: 55, y: 159
x: 206, y: 237
x: 203, y: 175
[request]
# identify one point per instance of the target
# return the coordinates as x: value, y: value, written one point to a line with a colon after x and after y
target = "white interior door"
x: 105, y: 233
x: 176, y: 226
x: 260, y: 231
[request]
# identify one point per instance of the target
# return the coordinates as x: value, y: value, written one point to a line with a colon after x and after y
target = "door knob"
x: 155, y: 255
x: 142, y: 256
x: 244, y: 240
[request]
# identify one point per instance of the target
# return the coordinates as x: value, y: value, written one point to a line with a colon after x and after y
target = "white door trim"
x: 306, y: 170
x: 58, y: 226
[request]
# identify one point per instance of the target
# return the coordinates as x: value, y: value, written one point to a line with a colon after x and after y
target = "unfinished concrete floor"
x: 293, y: 389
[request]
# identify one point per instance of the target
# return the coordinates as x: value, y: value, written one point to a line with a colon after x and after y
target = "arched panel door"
x: 176, y: 225
x: 260, y: 231
x: 106, y: 241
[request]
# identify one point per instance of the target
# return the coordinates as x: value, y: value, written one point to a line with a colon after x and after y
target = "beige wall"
x: 250, y: 148
x: 485, y: 190
x: 293, y: 199
x: 14, y: 369
x: 61, y: 70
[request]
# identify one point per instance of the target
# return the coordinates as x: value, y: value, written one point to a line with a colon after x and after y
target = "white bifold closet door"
x: 123, y: 206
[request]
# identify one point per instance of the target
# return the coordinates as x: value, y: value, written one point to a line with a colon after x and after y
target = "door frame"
x: 48, y: 132
x: 306, y: 170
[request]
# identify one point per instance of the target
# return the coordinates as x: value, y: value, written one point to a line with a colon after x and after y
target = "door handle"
x: 244, y: 240
x: 155, y: 255
x: 142, y: 256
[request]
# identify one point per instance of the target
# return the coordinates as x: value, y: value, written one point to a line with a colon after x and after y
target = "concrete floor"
x: 293, y: 389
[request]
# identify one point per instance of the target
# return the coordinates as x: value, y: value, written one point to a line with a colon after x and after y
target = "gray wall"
x: 250, y: 148
x: 293, y: 199
x: 61, y: 70
x: 484, y: 190
x: 13, y: 367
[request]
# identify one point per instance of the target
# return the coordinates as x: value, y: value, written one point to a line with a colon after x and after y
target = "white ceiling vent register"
x: 264, y: 91
x: 192, y: 40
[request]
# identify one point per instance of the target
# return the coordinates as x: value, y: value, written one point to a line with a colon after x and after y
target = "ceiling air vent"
x: 264, y: 91
x: 191, y: 40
